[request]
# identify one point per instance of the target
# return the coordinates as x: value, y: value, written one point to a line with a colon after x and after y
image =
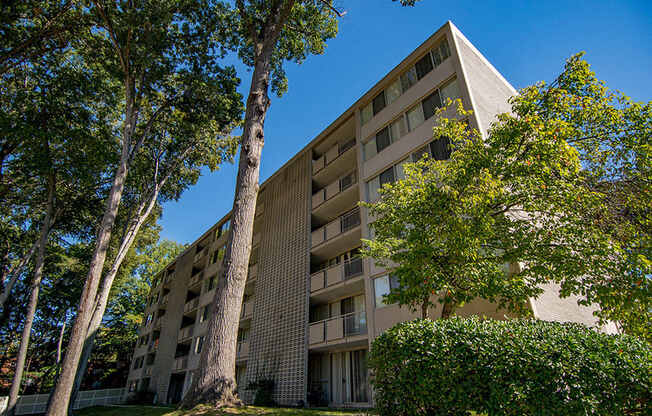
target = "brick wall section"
x: 277, y: 340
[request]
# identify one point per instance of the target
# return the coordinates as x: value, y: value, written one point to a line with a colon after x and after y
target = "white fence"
x: 36, y: 403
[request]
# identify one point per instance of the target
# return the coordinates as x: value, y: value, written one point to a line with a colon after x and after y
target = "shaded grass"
x: 210, y: 411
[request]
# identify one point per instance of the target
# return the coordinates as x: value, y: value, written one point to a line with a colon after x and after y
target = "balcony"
x: 331, y: 164
x: 243, y: 350
x: 323, y: 238
x: 186, y: 333
x: 164, y: 300
x: 339, y: 328
x: 335, y: 197
x: 153, y: 346
x: 191, y: 305
x: 168, y: 280
x: 180, y: 363
x: 200, y: 254
x: 331, y: 277
x: 247, y: 310
x: 196, y: 279
x: 158, y: 322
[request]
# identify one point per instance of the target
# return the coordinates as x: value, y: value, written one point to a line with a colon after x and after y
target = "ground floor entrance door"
x: 175, y: 389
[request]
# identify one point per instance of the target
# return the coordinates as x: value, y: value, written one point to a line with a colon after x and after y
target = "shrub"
x: 517, y: 367
x: 263, y: 391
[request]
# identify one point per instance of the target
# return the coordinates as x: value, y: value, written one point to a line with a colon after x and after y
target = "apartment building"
x: 312, y: 306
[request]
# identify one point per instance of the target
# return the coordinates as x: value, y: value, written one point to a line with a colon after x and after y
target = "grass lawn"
x: 208, y: 411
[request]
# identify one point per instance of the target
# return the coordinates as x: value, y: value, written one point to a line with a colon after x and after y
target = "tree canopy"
x: 558, y: 189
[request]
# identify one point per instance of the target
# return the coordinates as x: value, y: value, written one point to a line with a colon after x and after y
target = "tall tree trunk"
x: 105, y: 289
x: 33, y: 300
x: 60, y: 397
x: 60, y: 342
x: 15, y: 272
x: 424, y: 310
x: 446, y: 310
x: 215, y: 380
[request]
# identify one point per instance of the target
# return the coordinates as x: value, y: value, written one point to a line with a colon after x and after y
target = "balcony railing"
x: 191, y: 305
x: 340, y: 225
x: 247, y: 310
x: 243, y: 349
x: 338, y: 327
x: 186, y: 332
x: 180, y: 363
x: 330, y: 155
x: 333, y: 189
x: 335, y: 274
x: 164, y: 300
x: 196, y: 278
x: 200, y: 254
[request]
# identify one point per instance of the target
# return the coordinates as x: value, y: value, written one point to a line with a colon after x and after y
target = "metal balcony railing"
x: 336, y: 274
x: 191, y: 305
x: 196, y: 278
x: 338, y: 327
x: 186, y: 332
x: 200, y: 254
x: 331, y: 154
x: 333, y: 189
x: 180, y: 363
x: 340, y: 225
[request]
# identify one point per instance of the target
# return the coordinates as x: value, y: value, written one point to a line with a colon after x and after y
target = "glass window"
x: 423, y: 66
x: 418, y: 155
x: 366, y: 113
x: 431, y: 104
x: 382, y: 139
x: 408, y: 79
x: 199, y: 345
x: 379, y: 102
x: 415, y: 117
x: 444, y: 50
x: 393, y: 91
x: 450, y: 90
x: 436, y: 56
x: 440, y: 148
x: 387, y: 176
x: 381, y: 288
x: 372, y: 189
x: 400, y: 172
x: 369, y: 149
x: 398, y: 129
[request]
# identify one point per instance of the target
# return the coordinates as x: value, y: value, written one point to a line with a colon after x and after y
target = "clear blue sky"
x: 526, y: 41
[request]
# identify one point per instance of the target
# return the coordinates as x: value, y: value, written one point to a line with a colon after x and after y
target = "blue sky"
x: 526, y: 41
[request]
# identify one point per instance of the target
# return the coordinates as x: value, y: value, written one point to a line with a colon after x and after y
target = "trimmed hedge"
x: 516, y: 367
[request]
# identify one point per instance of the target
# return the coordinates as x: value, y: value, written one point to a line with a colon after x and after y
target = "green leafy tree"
x: 174, y: 97
x: 558, y: 188
x: 264, y: 35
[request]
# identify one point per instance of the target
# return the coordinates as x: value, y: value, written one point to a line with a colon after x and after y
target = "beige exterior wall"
x: 307, y: 305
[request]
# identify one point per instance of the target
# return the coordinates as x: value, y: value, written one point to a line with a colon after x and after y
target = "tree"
x: 264, y: 35
x: 533, y: 193
x: 163, y: 56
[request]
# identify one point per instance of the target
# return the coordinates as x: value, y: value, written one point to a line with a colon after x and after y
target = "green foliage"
x: 558, y: 190
x: 263, y: 391
x: 518, y: 367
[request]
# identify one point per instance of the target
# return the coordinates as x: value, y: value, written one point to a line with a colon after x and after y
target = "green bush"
x: 517, y: 367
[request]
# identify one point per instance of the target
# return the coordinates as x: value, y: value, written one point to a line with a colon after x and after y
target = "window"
x: 393, y: 91
x: 440, y: 149
x: 415, y: 117
x: 218, y: 254
x: 372, y: 189
x: 423, y: 66
x: 199, y: 344
x: 430, y: 104
x: 387, y: 176
x: 382, y: 140
x: 243, y: 334
x: 369, y: 149
x: 366, y: 114
x: 204, y: 314
x: 450, y: 90
x: 210, y: 284
x: 383, y: 285
x: 398, y: 129
x: 408, y: 79
x: 419, y: 154
x: 379, y: 102
x: 400, y: 172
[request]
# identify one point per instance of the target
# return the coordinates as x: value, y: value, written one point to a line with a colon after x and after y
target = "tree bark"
x: 105, y: 289
x: 214, y: 382
x: 33, y: 300
x: 60, y: 397
x: 424, y: 310
x: 15, y: 272
x: 447, y: 310
x: 60, y: 342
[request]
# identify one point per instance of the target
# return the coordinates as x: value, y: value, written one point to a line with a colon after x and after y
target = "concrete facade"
x: 311, y: 307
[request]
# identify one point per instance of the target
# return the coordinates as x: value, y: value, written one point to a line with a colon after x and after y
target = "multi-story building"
x: 312, y: 306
